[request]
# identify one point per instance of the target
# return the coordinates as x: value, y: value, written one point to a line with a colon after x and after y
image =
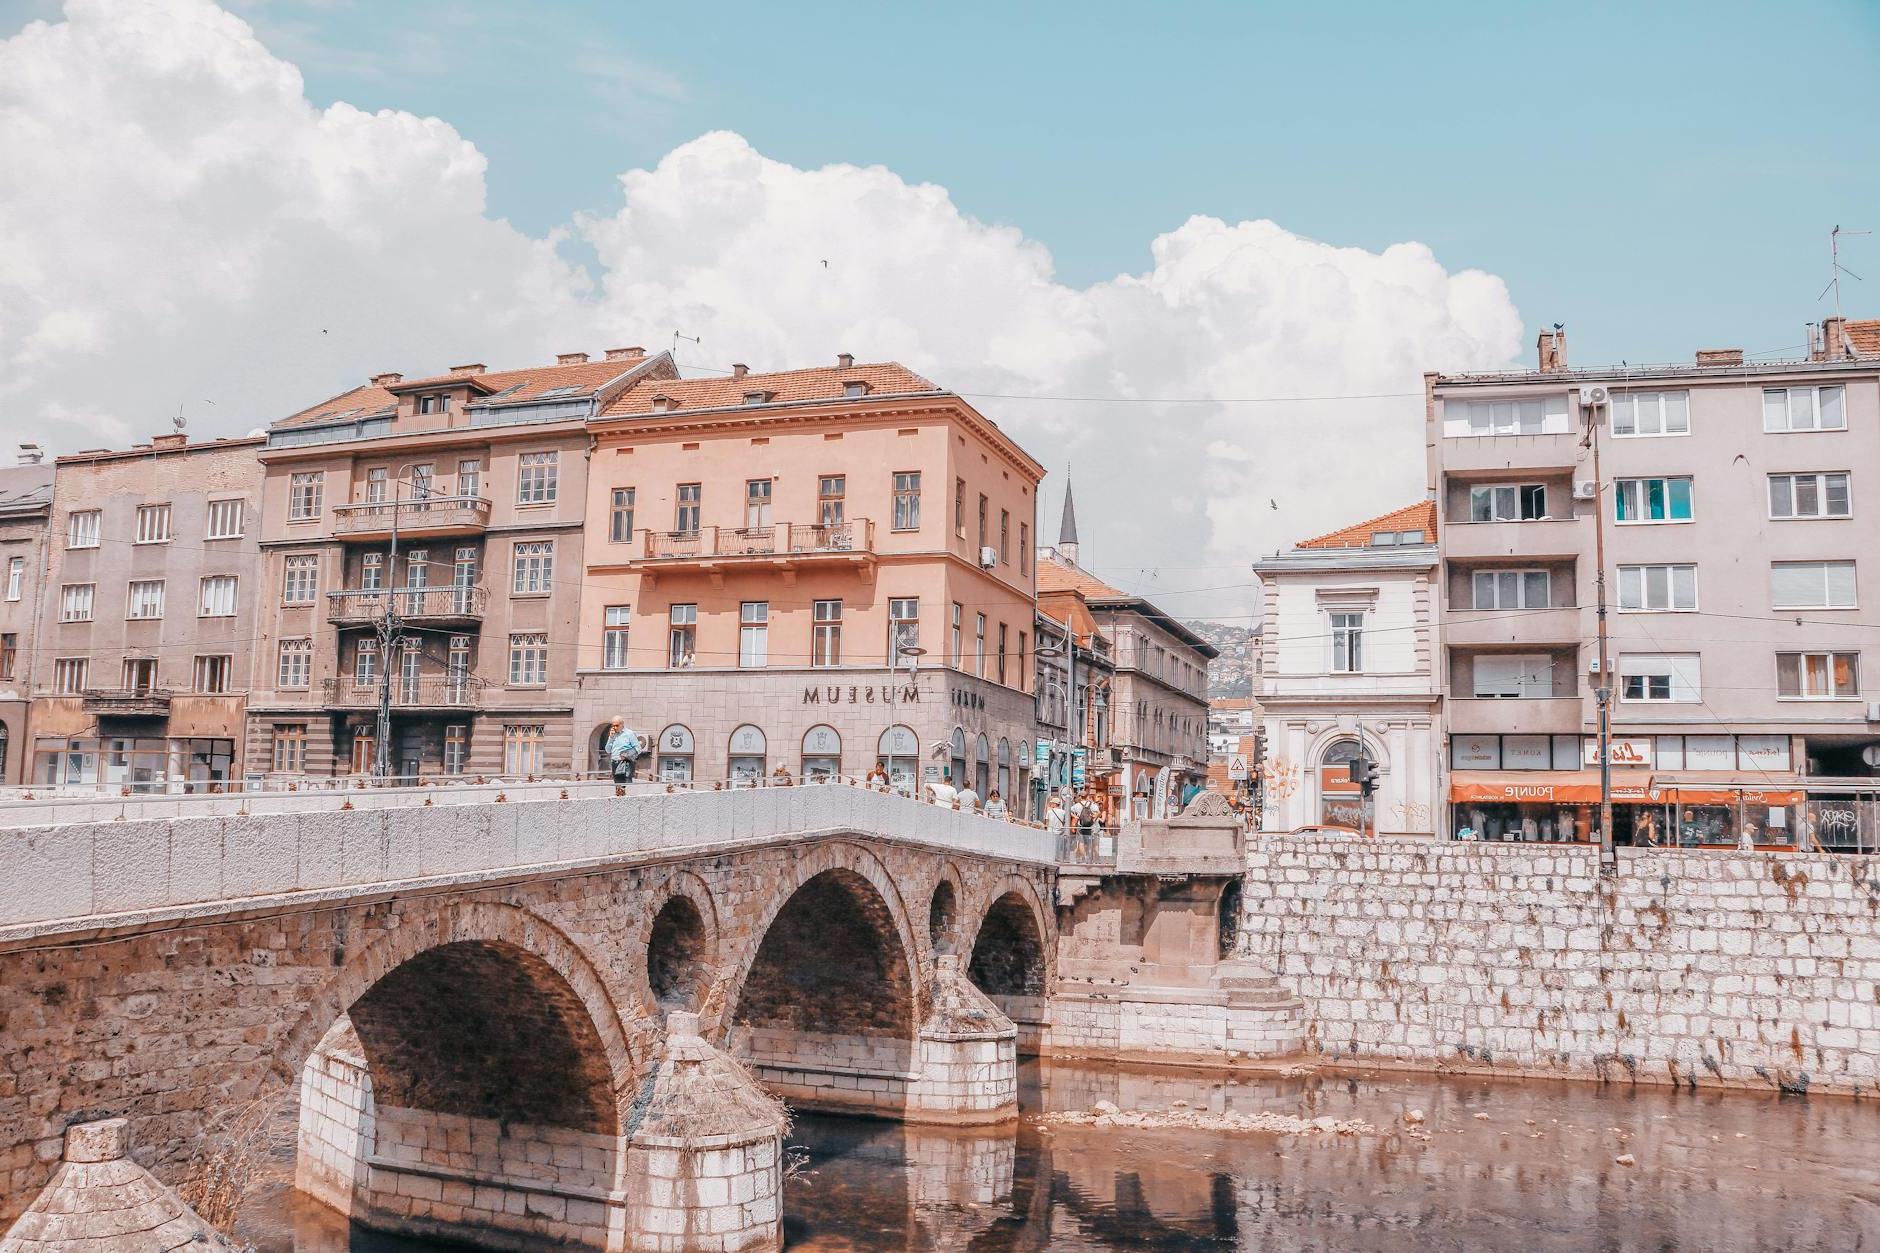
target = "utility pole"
x: 1608, y: 857
x: 390, y: 630
x: 1076, y: 729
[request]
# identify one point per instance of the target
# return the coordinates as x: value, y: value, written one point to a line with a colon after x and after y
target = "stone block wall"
x: 336, y: 1127
x: 965, y: 1078
x: 1687, y: 967
x: 819, y: 1070
x: 724, y: 1193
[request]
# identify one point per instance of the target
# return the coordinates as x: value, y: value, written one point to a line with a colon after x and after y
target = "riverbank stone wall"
x: 1687, y: 967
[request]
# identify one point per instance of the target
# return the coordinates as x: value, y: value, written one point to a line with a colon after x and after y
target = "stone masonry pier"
x: 558, y: 1018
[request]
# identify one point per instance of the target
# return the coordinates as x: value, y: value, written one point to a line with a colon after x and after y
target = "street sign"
x: 1237, y: 766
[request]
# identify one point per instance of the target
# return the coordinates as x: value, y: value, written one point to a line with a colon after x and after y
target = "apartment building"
x: 809, y: 570
x: 1740, y: 577
x: 25, y: 511
x: 1076, y: 676
x: 146, y: 616
x: 455, y: 503
x: 1349, y: 667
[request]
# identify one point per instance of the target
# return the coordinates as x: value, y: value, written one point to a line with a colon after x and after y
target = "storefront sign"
x: 963, y: 699
x: 861, y: 694
x: 1475, y: 752
x: 1626, y: 750
x: 1526, y: 752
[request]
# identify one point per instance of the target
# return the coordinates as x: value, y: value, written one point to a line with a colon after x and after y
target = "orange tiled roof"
x: 1057, y: 575
x: 504, y: 386
x: 1420, y: 516
x: 356, y: 403
x: 815, y: 383
x: 1865, y: 336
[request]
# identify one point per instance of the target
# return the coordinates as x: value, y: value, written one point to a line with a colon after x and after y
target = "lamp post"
x: 913, y: 653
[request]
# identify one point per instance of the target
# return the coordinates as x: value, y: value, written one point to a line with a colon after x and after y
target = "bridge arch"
x: 1009, y: 953
x: 679, y: 937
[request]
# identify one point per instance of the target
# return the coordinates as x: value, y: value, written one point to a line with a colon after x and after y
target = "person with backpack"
x: 623, y: 750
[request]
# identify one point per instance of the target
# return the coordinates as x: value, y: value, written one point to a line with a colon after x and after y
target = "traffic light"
x: 1364, y: 774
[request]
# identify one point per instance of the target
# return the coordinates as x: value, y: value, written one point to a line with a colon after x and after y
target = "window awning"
x: 1581, y: 787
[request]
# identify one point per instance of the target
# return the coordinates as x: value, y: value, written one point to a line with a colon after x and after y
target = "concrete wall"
x: 1694, y: 967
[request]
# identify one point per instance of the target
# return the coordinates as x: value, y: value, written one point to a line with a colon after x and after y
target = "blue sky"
x: 1660, y: 176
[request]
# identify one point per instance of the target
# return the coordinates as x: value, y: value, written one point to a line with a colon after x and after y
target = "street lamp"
x: 913, y: 653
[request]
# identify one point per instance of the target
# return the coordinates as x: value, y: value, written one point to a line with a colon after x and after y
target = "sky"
x: 1232, y: 235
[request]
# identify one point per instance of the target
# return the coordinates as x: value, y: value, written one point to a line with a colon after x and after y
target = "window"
x: 1657, y: 588
x: 1809, y: 496
x: 421, y: 480
x: 528, y: 660
x: 1651, y: 413
x: 686, y: 514
x: 456, y: 747
x: 9, y: 654
x: 1811, y: 585
x: 536, y: 477
x: 1000, y: 655
x: 1514, y: 752
x: 457, y: 667
x: 1024, y: 548
x: 365, y: 663
x: 218, y: 596
x: 299, y: 579
x: 831, y: 491
x: 1513, y: 502
x: 1513, y: 677
x: 1532, y: 415
x: 1804, y: 409
x: 682, y: 637
x: 225, y: 519
x: 303, y: 495
x: 620, y: 516
x: 376, y: 479
x: 1645, y: 677
x: 434, y: 402
x: 754, y: 633
x: 153, y: 524
x: 211, y: 674
x: 470, y: 477
x: 907, y: 500
x: 81, y: 529
x: 372, y: 572
x: 1347, y: 643
x: 1005, y: 537
x: 1653, y: 500
x: 854, y: 389
x: 959, y: 632
x: 75, y: 602
x: 296, y: 663
x: 69, y: 675
x: 757, y: 504
x: 616, y: 620
x: 535, y: 568
x: 145, y: 600
x: 826, y: 645
x: 1818, y: 676
x: 979, y: 645
x: 290, y: 747
x: 903, y: 627
x: 524, y: 749
x: 16, y: 577
x: 984, y: 507
x: 1510, y: 589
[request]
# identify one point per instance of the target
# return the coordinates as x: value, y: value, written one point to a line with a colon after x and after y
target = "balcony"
x: 1550, y: 715
x: 127, y: 702
x: 441, y: 605
x: 431, y: 691
x: 1474, y: 455
x: 1466, y: 628
x: 783, y: 546
x: 437, y: 515
x: 1524, y: 541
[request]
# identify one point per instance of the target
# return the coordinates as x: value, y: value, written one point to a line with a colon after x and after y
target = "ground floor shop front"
x: 134, y: 742
x: 521, y: 742
x: 1689, y: 813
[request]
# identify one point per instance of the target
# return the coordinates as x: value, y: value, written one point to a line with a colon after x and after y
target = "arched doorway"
x: 1341, y: 802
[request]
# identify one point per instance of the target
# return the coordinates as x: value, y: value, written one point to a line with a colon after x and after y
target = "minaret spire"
x: 1067, y: 528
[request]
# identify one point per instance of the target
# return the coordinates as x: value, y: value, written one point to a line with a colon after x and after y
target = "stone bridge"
x: 559, y: 1016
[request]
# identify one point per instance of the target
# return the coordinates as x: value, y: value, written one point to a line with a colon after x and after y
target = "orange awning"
x: 1581, y: 787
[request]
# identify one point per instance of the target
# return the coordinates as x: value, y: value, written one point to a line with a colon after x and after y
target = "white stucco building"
x: 1347, y: 666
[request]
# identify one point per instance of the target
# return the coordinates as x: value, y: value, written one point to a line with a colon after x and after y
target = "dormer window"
x: 434, y: 402
x: 662, y: 404
x: 558, y: 393
x: 757, y: 398
x: 854, y: 389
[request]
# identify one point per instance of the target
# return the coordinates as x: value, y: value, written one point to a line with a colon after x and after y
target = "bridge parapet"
x: 74, y: 877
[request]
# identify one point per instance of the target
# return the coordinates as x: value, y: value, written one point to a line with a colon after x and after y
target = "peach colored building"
x: 763, y: 548
x: 456, y: 502
x: 146, y: 615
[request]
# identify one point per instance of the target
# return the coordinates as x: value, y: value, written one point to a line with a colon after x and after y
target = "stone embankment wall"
x: 1684, y: 967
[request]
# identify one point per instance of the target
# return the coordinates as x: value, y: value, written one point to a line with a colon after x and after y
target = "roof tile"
x: 1418, y: 517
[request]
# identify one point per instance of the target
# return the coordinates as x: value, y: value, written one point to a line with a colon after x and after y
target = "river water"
x: 1712, y: 1171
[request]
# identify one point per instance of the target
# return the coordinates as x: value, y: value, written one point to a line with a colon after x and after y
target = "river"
x: 1506, y: 1165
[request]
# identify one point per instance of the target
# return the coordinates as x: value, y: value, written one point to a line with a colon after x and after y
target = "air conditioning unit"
x: 1586, y: 489
x: 1593, y: 395
x: 1592, y: 665
x: 1873, y: 711
x: 988, y: 558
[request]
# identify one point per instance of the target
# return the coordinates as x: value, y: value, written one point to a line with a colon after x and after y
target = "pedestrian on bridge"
x: 623, y: 750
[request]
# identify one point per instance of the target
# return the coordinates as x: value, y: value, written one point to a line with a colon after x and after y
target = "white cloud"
x: 183, y: 225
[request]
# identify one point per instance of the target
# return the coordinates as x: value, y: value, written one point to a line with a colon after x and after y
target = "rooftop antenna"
x: 690, y: 339
x: 1836, y: 269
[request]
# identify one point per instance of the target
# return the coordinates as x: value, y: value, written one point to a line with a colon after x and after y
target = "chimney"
x: 1719, y: 356
x: 739, y: 369
x: 845, y: 361
x: 1551, y: 348
x: 1833, y: 345
x: 476, y: 367
x: 386, y: 380
x: 625, y: 354
x: 571, y: 358
x: 174, y: 439
x: 31, y: 454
